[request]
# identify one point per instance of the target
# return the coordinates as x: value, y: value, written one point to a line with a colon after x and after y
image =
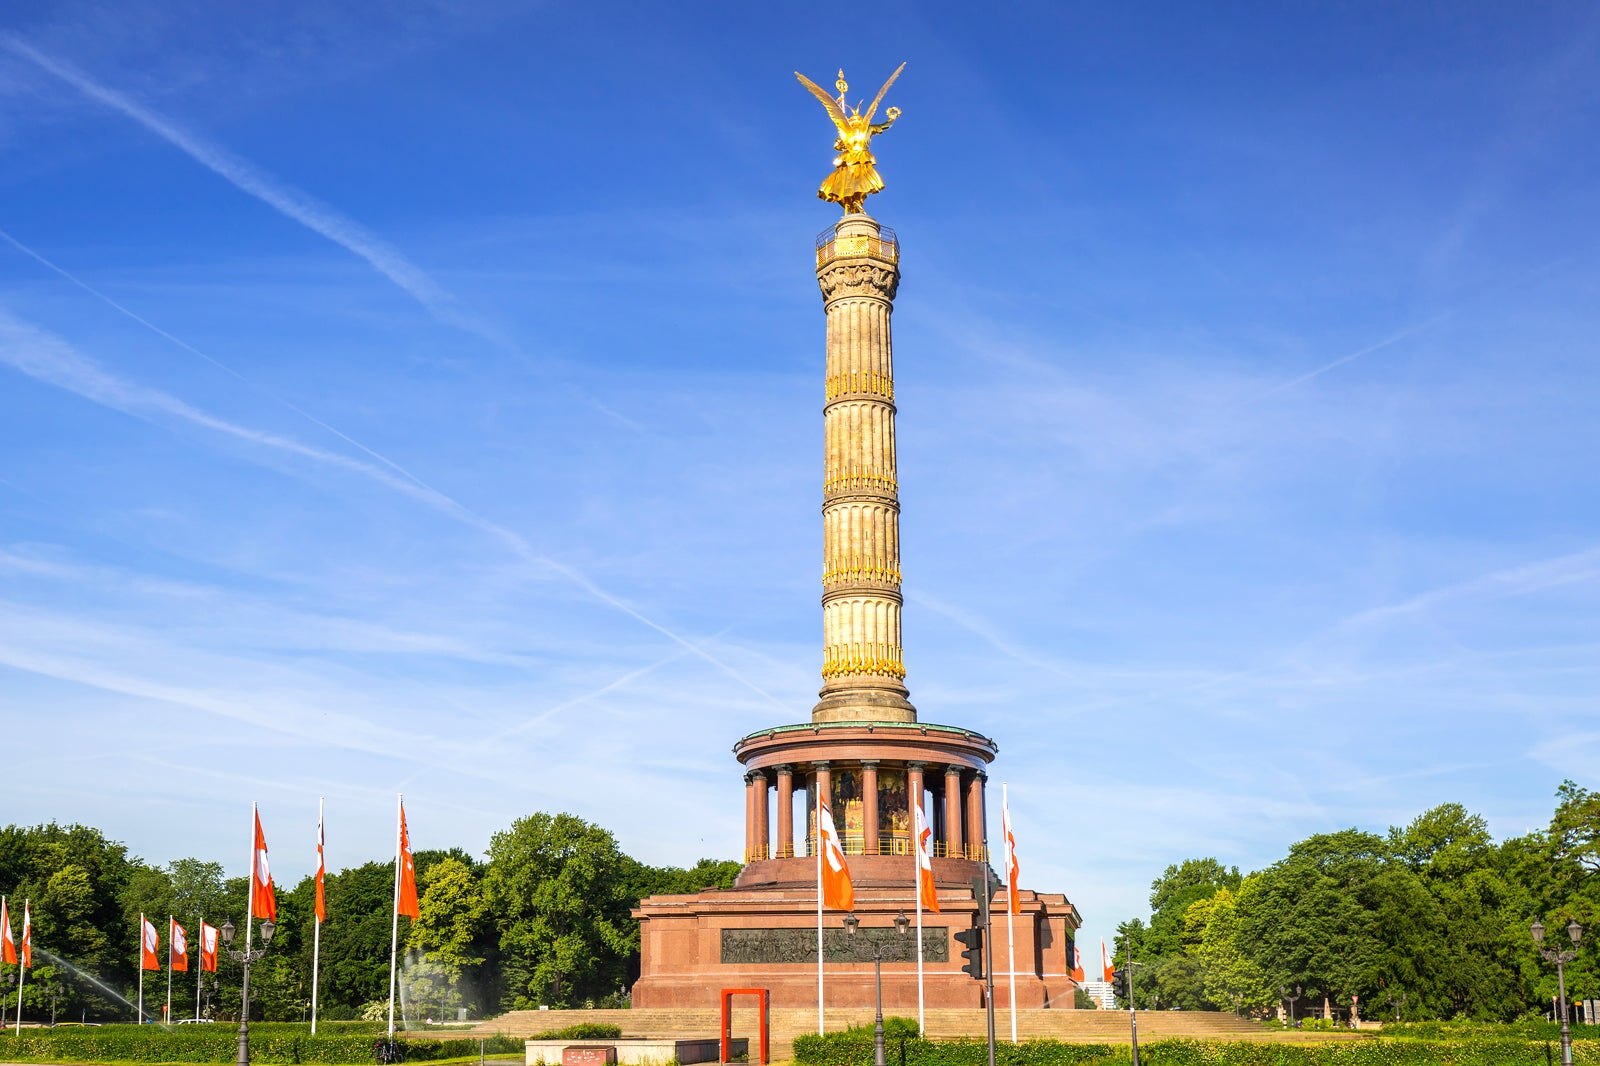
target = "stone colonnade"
x: 871, y: 816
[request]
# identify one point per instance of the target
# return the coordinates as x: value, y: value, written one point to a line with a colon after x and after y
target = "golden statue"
x: 854, y: 176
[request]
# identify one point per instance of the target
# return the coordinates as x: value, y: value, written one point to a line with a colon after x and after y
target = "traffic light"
x: 971, y: 941
x: 1119, y: 984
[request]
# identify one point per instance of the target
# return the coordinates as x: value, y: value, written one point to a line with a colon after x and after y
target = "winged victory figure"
x: 854, y: 177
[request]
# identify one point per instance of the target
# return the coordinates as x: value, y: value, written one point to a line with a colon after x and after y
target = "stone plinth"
x: 692, y: 945
x: 636, y: 1051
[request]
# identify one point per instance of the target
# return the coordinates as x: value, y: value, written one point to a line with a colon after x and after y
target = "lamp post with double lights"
x: 1560, y: 958
x: 851, y: 923
x: 1283, y: 993
x: 245, y: 958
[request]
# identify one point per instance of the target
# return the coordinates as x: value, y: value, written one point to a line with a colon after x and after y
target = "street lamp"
x: 1284, y: 994
x: 245, y: 958
x: 1560, y: 958
x: 851, y: 923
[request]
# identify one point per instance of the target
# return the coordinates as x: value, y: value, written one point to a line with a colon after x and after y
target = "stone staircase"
x: 1071, y: 1026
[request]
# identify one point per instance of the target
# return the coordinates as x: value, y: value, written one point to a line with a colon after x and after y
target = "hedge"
x: 854, y: 1048
x: 269, y: 1043
x: 851, y: 1049
x: 582, y: 1031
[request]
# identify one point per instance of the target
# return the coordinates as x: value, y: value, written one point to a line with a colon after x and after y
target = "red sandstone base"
x: 762, y: 934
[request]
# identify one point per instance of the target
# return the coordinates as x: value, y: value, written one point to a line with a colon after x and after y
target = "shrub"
x: 582, y: 1031
x: 850, y: 1049
x: 853, y: 1047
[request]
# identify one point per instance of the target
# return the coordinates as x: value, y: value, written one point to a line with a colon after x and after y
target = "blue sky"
x: 430, y: 397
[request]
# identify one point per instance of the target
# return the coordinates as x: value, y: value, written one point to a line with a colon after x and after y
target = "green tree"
x: 1575, y: 829
x: 355, y: 939
x: 74, y: 877
x: 1233, y: 978
x: 450, y: 941
x: 561, y: 911
x: 1305, y: 922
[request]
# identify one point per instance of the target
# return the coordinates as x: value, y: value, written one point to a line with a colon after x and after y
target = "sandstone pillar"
x: 749, y: 815
x: 953, y: 813
x: 915, y: 787
x: 763, y: 828
x: 785, y: 844
x: 824, y: 795
x: 975, y: 800
x: 869, y: 806
x: 863, y: 670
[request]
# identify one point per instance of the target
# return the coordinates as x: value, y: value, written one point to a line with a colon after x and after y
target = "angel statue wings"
x: 854, y: 177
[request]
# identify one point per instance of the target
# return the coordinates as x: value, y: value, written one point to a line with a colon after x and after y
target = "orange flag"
x: 837, y: 891
x: 27, y: 936
x: 1105, y: 962
x: 1077, y: 964
x: 8, y: 946
x: 322, y: 903
x: 177, y: 946
x: 1012, y: 902
x: 263, y: 901
x: 405, y: 900
x: 925, y: 890
x: 149, y: 941
x: 208, y: 947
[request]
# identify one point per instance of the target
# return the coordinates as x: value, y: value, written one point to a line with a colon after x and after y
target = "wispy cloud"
x: 1520, y: 580
x: 214, y: 361
x: 48, y: 358
x: 52, y: 646
x: 286, y: 200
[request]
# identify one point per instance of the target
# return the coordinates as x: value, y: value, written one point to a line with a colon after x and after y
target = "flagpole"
x: 169, y: 971
x: 200, y: 971
x: 816, y: 848
x: 22, y: 959
x: 316, y: 937
x: 1011, y: 907
x: 916, y: 887
x: 920, y: 1025
x: 250, y: 900
x: 7, y: 935
x: 141, y: 968
x: 394, y: 919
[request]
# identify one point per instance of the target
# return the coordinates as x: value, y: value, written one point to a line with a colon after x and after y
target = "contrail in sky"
x: 290, y: 202
x: 219, y: 364
x: 1392, y: 338
x: 46, y: 357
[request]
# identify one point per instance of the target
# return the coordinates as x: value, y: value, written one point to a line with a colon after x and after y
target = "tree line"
x: 1429, y: 921
x: 542, y: 920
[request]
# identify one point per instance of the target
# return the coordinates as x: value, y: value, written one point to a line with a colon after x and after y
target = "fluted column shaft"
x: 763, y: 823
x: 824, y: 795
x: 785, y: 843
x: 975, y: 800
x: 915, y: 786
x: 869, y: 806
x: 750, y: 815
x: 863, y: 667
x: 953, y: 813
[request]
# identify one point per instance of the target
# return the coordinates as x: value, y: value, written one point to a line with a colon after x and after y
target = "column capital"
x: 870, y: 279
x: 784, y: 768
x: 823, y: 764
x: 751, y: 776
x: 917, y: 766
x: 953, y: 768
x: 870, y: 762
x: 982, y: 775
